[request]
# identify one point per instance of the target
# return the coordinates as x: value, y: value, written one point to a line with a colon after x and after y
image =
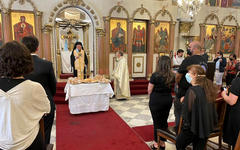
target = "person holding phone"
x: 232, y: 118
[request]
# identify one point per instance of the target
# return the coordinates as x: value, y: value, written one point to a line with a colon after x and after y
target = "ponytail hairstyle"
x: 204, y: 82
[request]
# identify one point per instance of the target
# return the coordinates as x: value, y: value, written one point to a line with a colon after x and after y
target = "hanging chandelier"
x: 191, y: 7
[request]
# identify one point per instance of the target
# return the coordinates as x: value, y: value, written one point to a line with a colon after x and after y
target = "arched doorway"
x: 73, y: 24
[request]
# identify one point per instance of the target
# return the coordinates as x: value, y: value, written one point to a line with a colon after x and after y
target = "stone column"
x: 129, y: 46
x: 100, y: 51
x: 86, y: 46
x: 38, y: 32
x: 47, y: 29
x: 107, y: 46
x: 218, y: 43
x: 59, y: 60
x: 150, y: 50
x: 7, y: 32
x: 202, y: 34
x: 237, y: 38
x: 172, y: 35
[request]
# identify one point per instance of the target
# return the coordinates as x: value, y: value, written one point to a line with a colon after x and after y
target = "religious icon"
x: 139, y: 37
x: 118, y: 34
x: 224, y: 3
x: 161, y: 37
x: 22, y: 24
x: 210, y: 38
x: 221, y: 3
x: 228, y: 39
x: 236, y: 3
x: 212, y: 2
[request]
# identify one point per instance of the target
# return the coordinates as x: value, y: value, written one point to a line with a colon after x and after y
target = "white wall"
x: 102, y: 8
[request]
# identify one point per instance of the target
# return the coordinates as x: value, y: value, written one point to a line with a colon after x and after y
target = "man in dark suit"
x: 43, y: 73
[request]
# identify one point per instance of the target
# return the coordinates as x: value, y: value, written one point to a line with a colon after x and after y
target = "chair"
x: 48, y: 146
x: 237, y: 145
x: 218, y: 131
x: 170, y: 135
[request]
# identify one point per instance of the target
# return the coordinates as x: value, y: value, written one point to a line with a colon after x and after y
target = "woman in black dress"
x: 198, y: 112
x: 159, y: 89
x: 232, y: 118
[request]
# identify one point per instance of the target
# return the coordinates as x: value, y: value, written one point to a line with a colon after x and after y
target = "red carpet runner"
x: 94, y: 131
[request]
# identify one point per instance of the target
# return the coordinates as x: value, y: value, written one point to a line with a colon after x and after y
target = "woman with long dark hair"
x: 159, y: 89
x: 198, y: 112
x: 79, y: 61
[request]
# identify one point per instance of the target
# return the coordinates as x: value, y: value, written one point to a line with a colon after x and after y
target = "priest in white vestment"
x: 121, y: 77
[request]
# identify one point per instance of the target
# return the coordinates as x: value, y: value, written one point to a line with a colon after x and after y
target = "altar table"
x: 88, y: 97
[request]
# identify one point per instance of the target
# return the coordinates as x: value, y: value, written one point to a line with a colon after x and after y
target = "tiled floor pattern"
x: 135, y: 112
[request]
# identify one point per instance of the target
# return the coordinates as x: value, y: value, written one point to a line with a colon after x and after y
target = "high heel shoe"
x: 162, y: 148
x: 153, y: 147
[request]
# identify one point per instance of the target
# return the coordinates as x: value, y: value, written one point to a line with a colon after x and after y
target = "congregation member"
x: 183, y: 85
x: 22, y: 102
x: 121, y: 77
x: 79, y: 61
x: 189, y: 53
x: 204, y: 54
x: 159, y: 89
x: 230, y: 70
x: 198, y: 112
x: 232, y: 119
x: 177, y: 59
x: 43, y: 73
x: 220, y: 64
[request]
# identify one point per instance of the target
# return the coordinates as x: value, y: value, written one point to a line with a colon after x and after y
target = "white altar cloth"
x: 92, y: 97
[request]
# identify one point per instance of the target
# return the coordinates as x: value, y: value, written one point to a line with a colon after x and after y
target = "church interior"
x: 143, y: 30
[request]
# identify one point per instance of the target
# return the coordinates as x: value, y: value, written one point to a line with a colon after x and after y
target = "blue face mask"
x: 188, y: 78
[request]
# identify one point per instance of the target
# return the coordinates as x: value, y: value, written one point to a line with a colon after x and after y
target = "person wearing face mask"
x: 230, y: 70
x: 79, y: 61
x: 183, y: 85
x: 198, y: 101
x: 220, y: 64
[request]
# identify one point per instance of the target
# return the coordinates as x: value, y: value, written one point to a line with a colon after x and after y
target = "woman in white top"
x: 22, y: 102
